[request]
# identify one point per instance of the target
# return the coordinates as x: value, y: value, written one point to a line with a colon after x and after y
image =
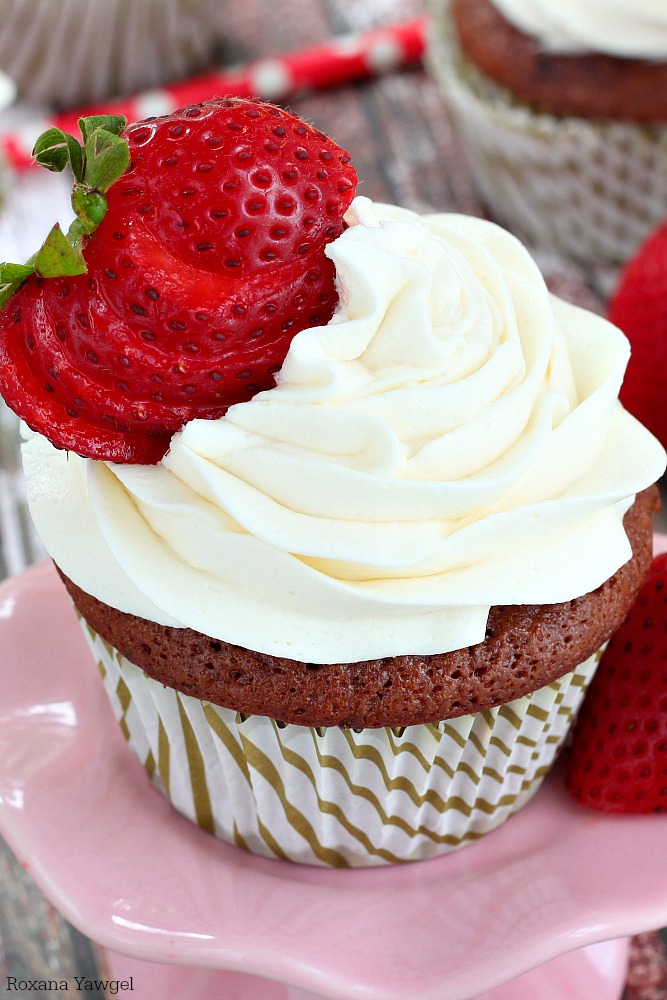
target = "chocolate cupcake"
x: 563, y: 115
x: 258, y: 750
x: 351, y: 621
x: 344, y: 497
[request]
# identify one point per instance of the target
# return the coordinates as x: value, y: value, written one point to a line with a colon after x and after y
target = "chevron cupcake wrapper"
x: 340, y: 797
x: 589, y: 189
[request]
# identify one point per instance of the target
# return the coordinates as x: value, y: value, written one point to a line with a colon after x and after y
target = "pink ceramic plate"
x: 125, y: 868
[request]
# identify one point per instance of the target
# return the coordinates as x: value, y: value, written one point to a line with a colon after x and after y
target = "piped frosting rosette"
x: 450, y: 441
x: 589, y: 189
x: 631, y: 29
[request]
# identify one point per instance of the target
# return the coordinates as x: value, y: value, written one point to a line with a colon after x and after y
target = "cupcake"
x: 76, y: 52
x: 561, y: 109
x: 344, y: 498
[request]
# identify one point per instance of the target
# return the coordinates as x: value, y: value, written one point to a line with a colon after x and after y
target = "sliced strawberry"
x: 618, y: 759
x: 235, y: 186
x: 209, y: 260
x: 57, y: 397
x: 204, y: 321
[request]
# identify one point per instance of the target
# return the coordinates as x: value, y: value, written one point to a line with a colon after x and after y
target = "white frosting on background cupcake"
x: 627, y: 28
x: 451, y: 440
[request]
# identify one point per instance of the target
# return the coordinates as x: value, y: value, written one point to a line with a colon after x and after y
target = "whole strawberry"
x: 639, y: 308
x: 618, y: 759
x: 183, y: 300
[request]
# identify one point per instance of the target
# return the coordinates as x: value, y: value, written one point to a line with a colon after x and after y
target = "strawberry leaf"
x: 110, y: 123
x: 96, y: 165
x: 58, y: 257
x: 12, y: 277
x: 55, y: 149
x: 107, y: 157
x: 14, y: 272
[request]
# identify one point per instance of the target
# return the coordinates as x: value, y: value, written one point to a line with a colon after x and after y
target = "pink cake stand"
x: 535, y: 909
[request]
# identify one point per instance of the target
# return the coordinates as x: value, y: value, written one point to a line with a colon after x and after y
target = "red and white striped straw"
x: 340, y: 60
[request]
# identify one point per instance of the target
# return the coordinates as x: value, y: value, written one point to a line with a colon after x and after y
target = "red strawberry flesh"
x: 618, y: 759
x: 639, y: 308
x: 279, y: 193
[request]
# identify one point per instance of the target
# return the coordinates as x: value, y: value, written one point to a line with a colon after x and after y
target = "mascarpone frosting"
x: 451, y: 440
x: 625, y: 28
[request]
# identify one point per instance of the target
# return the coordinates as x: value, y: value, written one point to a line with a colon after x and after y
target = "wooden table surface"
x: 405, y: 152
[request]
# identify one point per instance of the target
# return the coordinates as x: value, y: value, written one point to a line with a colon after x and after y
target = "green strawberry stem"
x: 96, y: 164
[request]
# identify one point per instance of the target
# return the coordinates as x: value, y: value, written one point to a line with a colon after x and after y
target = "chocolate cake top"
x: 588, y: 84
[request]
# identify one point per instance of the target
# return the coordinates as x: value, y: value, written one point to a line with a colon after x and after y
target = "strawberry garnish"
x: 618, y: 759
x: 639, y: 308
x: 182, y: 282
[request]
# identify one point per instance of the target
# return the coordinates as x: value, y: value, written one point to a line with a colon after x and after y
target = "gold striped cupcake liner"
x: 340, y: 797
x: 591, y: 190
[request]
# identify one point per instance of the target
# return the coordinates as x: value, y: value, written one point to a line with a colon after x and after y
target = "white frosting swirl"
x: 451, y: 440
x: 625, y: 28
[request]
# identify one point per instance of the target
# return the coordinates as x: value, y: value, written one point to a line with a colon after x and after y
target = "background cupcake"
x: 75, y: 52
x: 561, y: 108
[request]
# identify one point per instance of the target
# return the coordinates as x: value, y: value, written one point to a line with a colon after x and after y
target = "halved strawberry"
x: 618, y: 759
x: 209, y: 260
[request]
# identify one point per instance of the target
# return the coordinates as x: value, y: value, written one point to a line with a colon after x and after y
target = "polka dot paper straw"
x: 340, y: 60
